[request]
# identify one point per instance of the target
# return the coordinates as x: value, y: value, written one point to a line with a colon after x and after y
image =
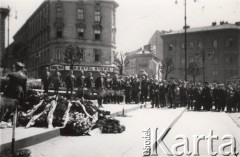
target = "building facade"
x: 89, y: 24
x: 156, y: 43
x: 215, y: 48
x: 143, y: 61
x: 3, y: 14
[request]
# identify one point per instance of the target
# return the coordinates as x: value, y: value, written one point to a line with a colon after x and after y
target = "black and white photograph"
x: 119, y: 78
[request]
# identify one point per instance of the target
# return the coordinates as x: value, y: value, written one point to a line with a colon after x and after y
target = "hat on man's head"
x: 19, y: 64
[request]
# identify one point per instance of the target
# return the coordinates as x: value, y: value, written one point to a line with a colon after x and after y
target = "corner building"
x: 219, y: 44
x: 89, y: 24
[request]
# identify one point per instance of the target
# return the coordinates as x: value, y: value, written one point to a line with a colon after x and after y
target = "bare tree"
x: 193, y: 70
x: 167, y: 66
x: 72, y: 55
x: 119, y: 59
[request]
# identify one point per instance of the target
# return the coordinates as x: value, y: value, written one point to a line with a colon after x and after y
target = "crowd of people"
x: 161, y: 94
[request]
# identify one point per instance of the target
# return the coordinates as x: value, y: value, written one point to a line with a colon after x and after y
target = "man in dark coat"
x: 127, y: 88
x: 136, y: 90
x: 155, y: 96
x: 206, y: 97
x: 183, y: 95
x: 89, y: 81
x: 162, y: 94
x: 70, y: 83
x: 171, y: 93
x: 116, y: 86
x: 15, y: 91
x: 144, y: 89
x: 46, y: 79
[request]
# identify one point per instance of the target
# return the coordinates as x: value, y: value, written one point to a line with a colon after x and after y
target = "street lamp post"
x: 185, y: 37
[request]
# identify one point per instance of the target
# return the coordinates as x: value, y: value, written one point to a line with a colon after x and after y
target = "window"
x: 183, y: 45
x: 191, y: 45
x: 230, y: 42
x: 81, y: 55
x: 170, y: 47
x: 114, y: 18
x: 215, y: 44
x: 200, y: 45
x: 97, y: 16
x: 191, y: 60
x: 215, y: 73
x: 97, y: 34
x: 215, y: 61
x: 80, y: 32
x: 182, y: 60
x: 59, y: 32
x: 80, y: 13
x: 59, y: 11
x: 97, y: 54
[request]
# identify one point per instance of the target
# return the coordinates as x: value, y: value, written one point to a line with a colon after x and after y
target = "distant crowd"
x: 135, y: 89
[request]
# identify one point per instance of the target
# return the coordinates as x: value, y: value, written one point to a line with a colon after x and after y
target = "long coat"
x: 16, y: 87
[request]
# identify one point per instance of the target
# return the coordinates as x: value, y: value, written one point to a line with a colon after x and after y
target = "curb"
x: 31, y: 140
x: 164, y: 134
x: 35, y: 139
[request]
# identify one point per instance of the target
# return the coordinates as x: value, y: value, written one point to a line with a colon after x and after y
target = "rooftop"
x: 222, y: 26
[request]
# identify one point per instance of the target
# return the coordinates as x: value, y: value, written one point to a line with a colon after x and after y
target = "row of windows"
x: 41, y: 39
x: 80, y: 33
x: 80, y: 14
x: 230, y: 43
x: 39, y: 22
x: 59, y: 54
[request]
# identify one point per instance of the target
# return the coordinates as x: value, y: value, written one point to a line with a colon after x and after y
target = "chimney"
x: 222, y: 23
x: 214, y: 23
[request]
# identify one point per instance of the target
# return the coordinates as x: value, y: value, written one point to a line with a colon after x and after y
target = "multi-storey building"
x: 3, y: 14
x: 89, y: 24
x: 143, y: 61
x: 216, y: 48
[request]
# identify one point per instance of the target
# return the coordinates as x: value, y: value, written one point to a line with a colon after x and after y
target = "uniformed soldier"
x: 80, y: 84
x: 100, y: 87
x: 108, y: 82
x: 46, y: 80
x: 190, y: 96
x: 56, y: 80
x: 70, y: 83
x: 15, y: 91
x: 116, y: 86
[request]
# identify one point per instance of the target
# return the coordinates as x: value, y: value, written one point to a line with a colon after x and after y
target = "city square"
x: 119, y: 78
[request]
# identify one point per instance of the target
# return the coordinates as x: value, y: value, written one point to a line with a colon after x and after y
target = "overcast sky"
x: 137, y: 20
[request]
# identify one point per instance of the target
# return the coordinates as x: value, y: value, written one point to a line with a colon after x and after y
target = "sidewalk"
x: 236, y: 118
x: 200, y: 124
x: 127, y: 144
x: 27, y: 137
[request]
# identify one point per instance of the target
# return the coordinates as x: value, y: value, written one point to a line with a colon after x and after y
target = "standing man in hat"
x: 15, y: 90
x: 144, y: 89
x: 46, y: 80
x: 57, y: 81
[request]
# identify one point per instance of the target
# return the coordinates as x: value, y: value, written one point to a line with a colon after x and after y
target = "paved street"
x: 200, y: 123
x: 128, y: 144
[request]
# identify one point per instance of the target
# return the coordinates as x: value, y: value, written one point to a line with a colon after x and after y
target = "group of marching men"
x: 134, y: 90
